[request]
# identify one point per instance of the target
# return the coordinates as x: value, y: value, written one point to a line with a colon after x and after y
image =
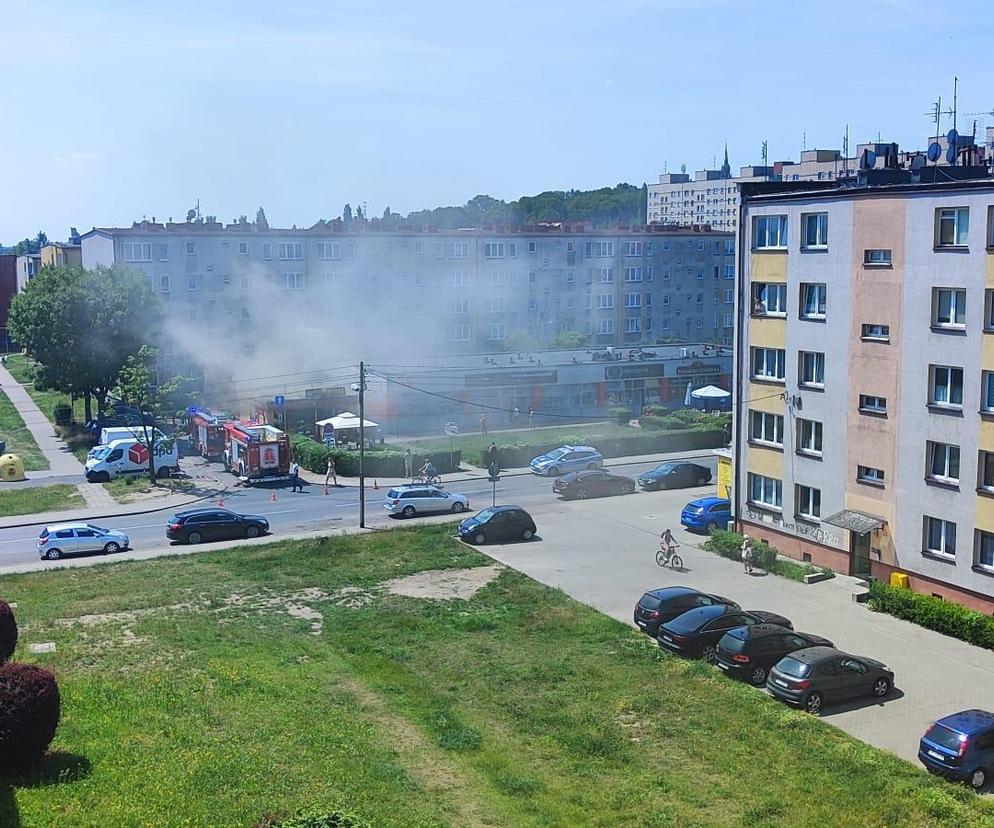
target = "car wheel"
x: 554, y: 471
x: 978, y: 778
x: 112, y: 548
x: 408, y: 511
x: 457, y: 507
x: 163, y: 472
x: 881, y: 687
x: 479, y: 538
x: 102, y: 477
x: 252, y: 532
x: 53, y: 554
x: 527, y: 535
x: 194, y: 537
x: 710, y: 654
x: 757, y: 678
x: 581, y: 494
x: 812, y: 703
x: 712, y: 526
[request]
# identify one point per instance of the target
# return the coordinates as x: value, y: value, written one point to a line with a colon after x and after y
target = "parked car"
x: 674, y: 476
x: 696, y: 633
x: 706, y: 513
x: 411, y: 500
x: 819, y: 676
x: 500, y: 523
x: 62, y: 539
x: 197, y: 525
x: 748, y: 653
x: 565, y: 459
x: 598, y: 483
x: 960, y: 747
x: 661, y: 605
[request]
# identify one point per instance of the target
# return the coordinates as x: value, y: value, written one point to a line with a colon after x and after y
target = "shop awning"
x: 857, y: 522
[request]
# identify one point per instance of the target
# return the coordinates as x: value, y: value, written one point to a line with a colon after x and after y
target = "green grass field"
x: 131, y: 488
x: 210, y: 689
x: 20, y: 441
x: 584, y: 433
x: 33, y: 499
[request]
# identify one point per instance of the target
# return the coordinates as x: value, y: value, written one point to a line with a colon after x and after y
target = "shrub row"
x: 657, y: 418
x: 379, y: 461
x: 315, y: 818
x: 8, y: 632
x: 729, y: 545
x: 933, y: 613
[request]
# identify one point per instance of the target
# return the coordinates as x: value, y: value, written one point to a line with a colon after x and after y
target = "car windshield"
x: 942, y: 735
x: 44, y: 533
x: 555, y: 455
x: 732, y: 643
x: 649, y: 602
x: 102, y: 453
x: 665, y: 468
x: 485, y: 515
x: 393, y: 493
x: 793, y: 667
x: 694, y: 509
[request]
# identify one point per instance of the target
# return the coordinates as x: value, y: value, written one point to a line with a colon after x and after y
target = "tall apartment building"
x: 865, y: 375
x: 464, y: 291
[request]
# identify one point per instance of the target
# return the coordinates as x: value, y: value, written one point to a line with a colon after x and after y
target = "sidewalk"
x: 61, y: 461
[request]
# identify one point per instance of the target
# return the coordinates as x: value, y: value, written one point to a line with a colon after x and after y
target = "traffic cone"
x: 375, y: 484
x: 273, y: 495
x: 220, y: 500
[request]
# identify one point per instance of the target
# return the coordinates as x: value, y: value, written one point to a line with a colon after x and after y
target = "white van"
x: 109, y: 435
x: 130, y: 456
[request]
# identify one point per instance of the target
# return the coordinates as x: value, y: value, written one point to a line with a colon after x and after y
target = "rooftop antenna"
x: 955, y: 89
x: 845, y: 153
x: 804, y: 140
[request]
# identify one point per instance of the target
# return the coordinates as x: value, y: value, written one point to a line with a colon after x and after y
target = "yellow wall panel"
x: 768, y: 267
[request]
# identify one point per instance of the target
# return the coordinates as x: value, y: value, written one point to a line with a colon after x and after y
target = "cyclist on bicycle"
x: 427, y: 470
x: 668, y: 544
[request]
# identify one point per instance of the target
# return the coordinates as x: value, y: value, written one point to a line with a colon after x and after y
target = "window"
x: 870, y: 475
x: 989, y: 311
x: 809, y: 437
x: 512, y: 248
x: 768, y: 364
x: 163, y: 252
x: 952, y: 226
x: 949, y: 308
x: 496, y: 277
x: 729, y: 297
x: 766, y: 428
x: 807, y: 502
x: 942, y: 462
x: 419, y: 247
x: 872, y: 405
x: 648, y: 273
x: 460, y: 304
x: 495, y: 304
x: 877, y: 257
x: 459, y: 250
x: 531, y: 247
x: 291, y: 250
x: 494, y: 250
x: 329, y: 250
x: 191, y: 248
x: 633, y: 248
x: 633, y: 274
x: 243, y: 248
x: 605, y: 301
x: 876, y: 332
x: 496, y: 331
x: 633, y: 324
x: 605, y: 327
x: 648, y: 300
x: 985, y: 471
x: 769, y: 299
x: 769, y: 232
x: 458, y: 278
x: 984, y: 554
x: 940, y: 536
x: 729, y: 271
x: 811, y: 369
x: 605, y: 274
x: 193, y: 283
x: 765, y: 491
x: 243, y: 282
x: 815, y: 231
x: 604, y: 248
x: 137, y: 251
x: 459, y: 333
x: 267, y: 250
x: 945, y: 386
x: 164, y: 282
x: 633, y: 300
x: 813, y: 301
x: 570, y: 277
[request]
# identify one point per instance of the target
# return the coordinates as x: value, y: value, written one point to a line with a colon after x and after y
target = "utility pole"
x: 362, y: 445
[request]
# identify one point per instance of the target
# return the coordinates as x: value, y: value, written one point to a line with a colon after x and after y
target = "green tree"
x: 347, y: 218
x: 569, y: 339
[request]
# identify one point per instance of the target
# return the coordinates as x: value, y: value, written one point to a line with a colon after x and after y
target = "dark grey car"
x: 818, y: 676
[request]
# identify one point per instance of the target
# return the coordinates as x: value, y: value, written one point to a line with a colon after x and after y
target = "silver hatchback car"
x: 410, y: 500
x: 61, y: 539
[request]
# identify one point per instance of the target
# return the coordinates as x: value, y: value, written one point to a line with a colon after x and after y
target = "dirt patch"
x: 444, y: 584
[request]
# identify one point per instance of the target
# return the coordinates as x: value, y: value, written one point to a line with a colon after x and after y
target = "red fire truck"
x: 256, y: 452
x: 207, y: 432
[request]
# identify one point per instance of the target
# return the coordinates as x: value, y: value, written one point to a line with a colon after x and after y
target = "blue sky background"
x: 124, y: 108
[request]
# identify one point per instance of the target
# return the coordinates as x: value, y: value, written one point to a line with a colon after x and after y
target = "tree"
x: 260, y: 219
x: 569, y: 339
x: 521, y: 341
x: 347, y: 218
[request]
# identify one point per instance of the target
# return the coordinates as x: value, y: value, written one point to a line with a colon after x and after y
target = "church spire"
x: 726, y: 170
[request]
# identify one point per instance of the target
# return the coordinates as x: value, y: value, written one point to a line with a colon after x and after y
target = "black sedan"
x: 580, y: 485
x: 696, y: 633
x: 198, y: 525
x: 501, y: 523
x: 674, y: 476
x: 661, y: 605
x: 818, y: 676
x: 748, y: 653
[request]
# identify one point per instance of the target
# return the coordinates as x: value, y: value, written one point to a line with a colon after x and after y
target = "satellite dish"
x: 951, y: 154
x: 190, y: 215
x: 934, y: 151
x: 952, y: 136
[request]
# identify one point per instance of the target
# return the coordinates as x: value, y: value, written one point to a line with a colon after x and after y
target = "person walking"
x: 295, y: 484
x: 492, y: 456
x: 747, y: 554
x: 408, y: 464
x: 483, y: 424
x: 514, y: 416
x: 331, y: 473
x: 531, y: 419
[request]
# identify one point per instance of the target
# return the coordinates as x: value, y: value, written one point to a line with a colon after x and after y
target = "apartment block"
x: 865, y: 375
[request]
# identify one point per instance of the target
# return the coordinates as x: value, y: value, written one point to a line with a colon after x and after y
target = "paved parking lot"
x: 602, y: 553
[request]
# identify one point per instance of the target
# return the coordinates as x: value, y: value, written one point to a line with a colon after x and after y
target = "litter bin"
x: 899, y: 579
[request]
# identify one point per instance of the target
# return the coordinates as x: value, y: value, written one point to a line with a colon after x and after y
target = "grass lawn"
x: 213, y: 688
x: 29, y: 500
x: 131, y: 488
x: 584, y: 433
x: 20, y: 441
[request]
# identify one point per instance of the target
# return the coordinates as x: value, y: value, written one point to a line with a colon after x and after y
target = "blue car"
x: 566, y: 459
x: 706, y: 513
x: 960, y: 747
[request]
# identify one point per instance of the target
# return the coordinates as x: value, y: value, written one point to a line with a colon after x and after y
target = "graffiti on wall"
x: 802, y: 530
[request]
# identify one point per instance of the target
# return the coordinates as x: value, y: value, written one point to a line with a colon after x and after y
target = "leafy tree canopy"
x: 569, y: 339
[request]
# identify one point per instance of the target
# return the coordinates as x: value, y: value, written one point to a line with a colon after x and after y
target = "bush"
x: 379, y: 461
x: 29, y: 714
x: 8, y: 632
x: 729, y: 545
x: 620, y: 414
x: 934, y: 614
x: 315, y: 818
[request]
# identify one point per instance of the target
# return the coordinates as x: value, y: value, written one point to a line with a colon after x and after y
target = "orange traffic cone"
x: 273, y: 495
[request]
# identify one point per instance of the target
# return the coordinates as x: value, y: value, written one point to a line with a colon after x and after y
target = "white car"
x: 410, y: 500
x: 62, y: 539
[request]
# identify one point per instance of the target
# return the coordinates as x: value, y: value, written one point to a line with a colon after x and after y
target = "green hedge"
x: 729, y: 545
x: 379, y: 461
x: 518, y: 455
x: 933, y: 613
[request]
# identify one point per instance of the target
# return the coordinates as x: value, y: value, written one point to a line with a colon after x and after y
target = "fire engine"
x: 207, y: 432
x: 256, y: 452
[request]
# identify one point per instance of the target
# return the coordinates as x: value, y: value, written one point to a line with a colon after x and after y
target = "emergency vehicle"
x: 256, y: 452
x: 207, y: 432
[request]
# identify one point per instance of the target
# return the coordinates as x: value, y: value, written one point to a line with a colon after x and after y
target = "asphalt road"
x: 311, y: 510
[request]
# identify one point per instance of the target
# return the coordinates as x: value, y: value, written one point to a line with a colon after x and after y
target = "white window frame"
x: 952, y: 226
x: 460, y: 304
x: 290, y: 251
x: 163, y: 252
x: 192, y: 283
x: 495, y: 304
x: 872, y: 404
x: 605, y: 301
x: 878, y: 257
x: 984, y: 558
x: 769, y: 232
x: 939, y: 537
x: 633, y: 300
x: 605, y: 327
x: 460, y: 333
x: 605, y: 275
x: 493, y: 250
x: 766, y: 428
x: 243, y: 248
x: 810, y: 437
x: 459, y: 250
x: 807, y: 502
x: 164, y: 282
x: 496, y: 331
x: 765, y: 492
x: 633, y: 274
x: 942, y: 462
x: 813, y: 378
x: 457, y: 278
x: 293, y: 281
x: 763, y: 292
x: 190, y: 248
x: 875, y: 332
x: 633, y: 248
x: 949, y: 308
x: 987, y: 392
x: 603, y: 249
x: 633, y: 324
x: 815, y: 231
x: 267, y: 251
x: 137, y: 251
x: 813, y: 301
x: 766, y: 358
x: 945, y: 377
x: 985, y: 464
x: 870, y: 475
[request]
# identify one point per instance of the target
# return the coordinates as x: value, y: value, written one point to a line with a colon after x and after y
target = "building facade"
x: 865, y: 376
x: 59, y: 254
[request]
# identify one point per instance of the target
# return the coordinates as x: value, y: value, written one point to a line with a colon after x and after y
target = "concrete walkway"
x: 61, y: 461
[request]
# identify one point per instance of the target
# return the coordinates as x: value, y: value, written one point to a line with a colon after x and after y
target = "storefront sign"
x: 512, y: 378
x: 615, y: 372
x: 698, y: 369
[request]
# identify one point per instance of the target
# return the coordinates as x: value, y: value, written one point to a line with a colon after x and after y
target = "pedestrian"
x: 483, y: 424
x: 331, y: 473
x: 747, y: 553
x: 514, y: 416
x: 295, y: 484
x: 408, y: 464
x: 531, y: 418
x: 492, y: 455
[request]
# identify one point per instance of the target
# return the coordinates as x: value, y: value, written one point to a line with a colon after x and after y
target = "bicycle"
x: 430, y: 480
x: 669, y: 558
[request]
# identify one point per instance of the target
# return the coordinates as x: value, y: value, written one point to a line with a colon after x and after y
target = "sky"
x: 119, y: 109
